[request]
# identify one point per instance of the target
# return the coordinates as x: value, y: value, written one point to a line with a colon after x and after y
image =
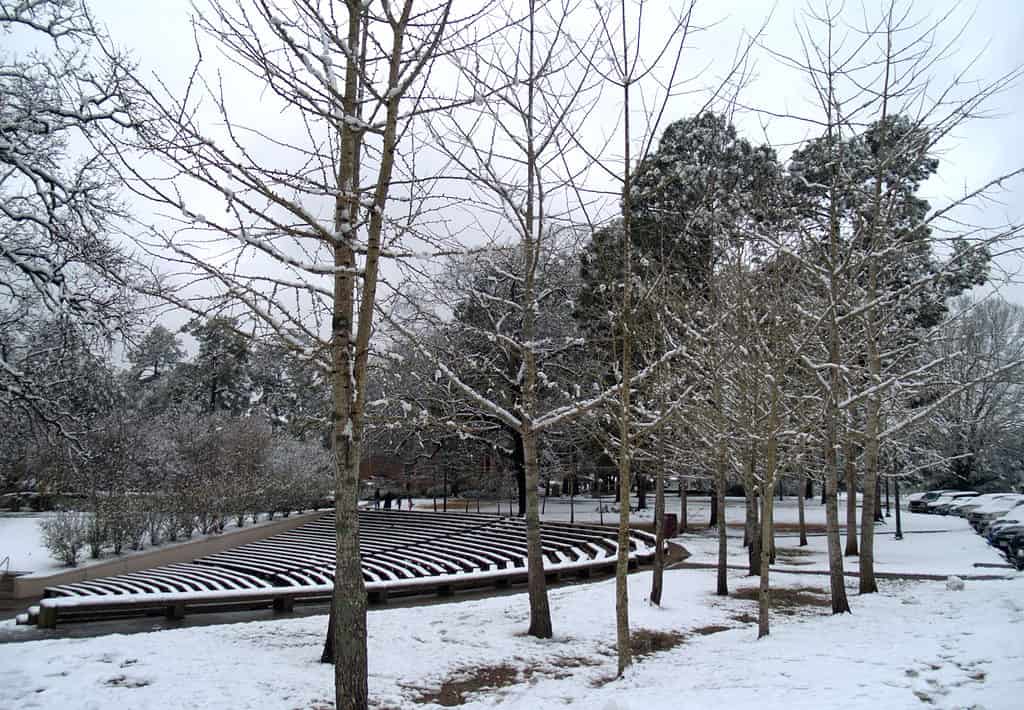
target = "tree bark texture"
x: 519, y: 470
x: 683, y: 527
x: 766, y: 534
x: 800, y: 507
x: 540, y: 611
x: 850, y: 474
x: 658, y: 573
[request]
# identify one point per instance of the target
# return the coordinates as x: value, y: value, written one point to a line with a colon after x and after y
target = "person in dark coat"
x: 387, y: 500
x: 376, y: 499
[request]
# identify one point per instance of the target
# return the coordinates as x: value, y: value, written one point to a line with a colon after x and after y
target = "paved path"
x: 824, y: 572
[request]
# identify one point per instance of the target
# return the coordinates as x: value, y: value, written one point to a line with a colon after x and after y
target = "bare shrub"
x: 64, y: 535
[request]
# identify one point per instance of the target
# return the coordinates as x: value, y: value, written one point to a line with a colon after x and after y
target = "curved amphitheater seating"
x: 400, y: 550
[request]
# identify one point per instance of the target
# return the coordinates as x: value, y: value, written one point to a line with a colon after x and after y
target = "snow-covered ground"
x: 914, y: 645
x: 22, y: 540
x: 931, y: 544
x: 585, y: 509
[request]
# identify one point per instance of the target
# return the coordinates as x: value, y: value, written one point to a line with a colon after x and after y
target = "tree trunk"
x: 766, y: 535
x: 682, y: 506
x: 540, y: 611
x: 713, y: 519
x: 658, y: 573
x: 749, y: 514
x: 327, y: 656
x: 878, y: 498
x: 622, y: 639
x: 722, y: 587
x: 868, y: 585
x: 899, y: 519
x: 349, y: 358
x: 519, y: 469
x: 767, y: 511
x: 837, y: 584
x: 752, y: 526
x: 849, y: 466
x: 349, y: 604
x: 349, y: 599
x: 888, y: 507
x: 800, y: 506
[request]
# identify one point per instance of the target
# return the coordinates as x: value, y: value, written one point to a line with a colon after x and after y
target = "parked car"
x: 919, y: 501
x: 1001, y: 530
x: 940, y: 503
x: 1015, y: 551
x: 954, y: 498
x: 985, y: 514
x: 1014, y: 517
x: 966, y: 506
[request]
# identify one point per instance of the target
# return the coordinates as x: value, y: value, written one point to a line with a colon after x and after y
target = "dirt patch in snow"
x: 787, y: 600
x: 794, y: 556
x: 454, y: 689
x: 644, y: 642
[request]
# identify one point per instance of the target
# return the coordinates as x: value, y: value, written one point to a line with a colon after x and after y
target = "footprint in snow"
x: 121, y: 681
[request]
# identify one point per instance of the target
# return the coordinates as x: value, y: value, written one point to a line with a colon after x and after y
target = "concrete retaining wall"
x: 29, y: 587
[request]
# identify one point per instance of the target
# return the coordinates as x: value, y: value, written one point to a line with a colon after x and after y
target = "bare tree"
x: 886, y: 259
x: 58, y: 196
x: 302, y: 202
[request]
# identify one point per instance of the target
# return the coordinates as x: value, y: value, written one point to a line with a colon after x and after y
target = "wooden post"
x: 48, y: 617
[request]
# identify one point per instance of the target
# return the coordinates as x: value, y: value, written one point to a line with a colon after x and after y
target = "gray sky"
x: 159, y: 34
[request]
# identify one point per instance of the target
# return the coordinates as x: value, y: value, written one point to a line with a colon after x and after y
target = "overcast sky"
x: 159, y: 34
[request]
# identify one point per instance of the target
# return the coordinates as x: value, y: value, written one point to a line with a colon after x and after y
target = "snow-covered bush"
x: 64, y: 535
x: 95, y: 536
x: 113, y: 512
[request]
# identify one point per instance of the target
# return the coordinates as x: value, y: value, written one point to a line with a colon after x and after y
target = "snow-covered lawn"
x: 917, y: 553
x: 20, y: 539
x: 931, y: 544
x: 914, y: 645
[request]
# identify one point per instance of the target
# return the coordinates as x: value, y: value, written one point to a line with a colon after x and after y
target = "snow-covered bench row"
x: 402, y: 552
